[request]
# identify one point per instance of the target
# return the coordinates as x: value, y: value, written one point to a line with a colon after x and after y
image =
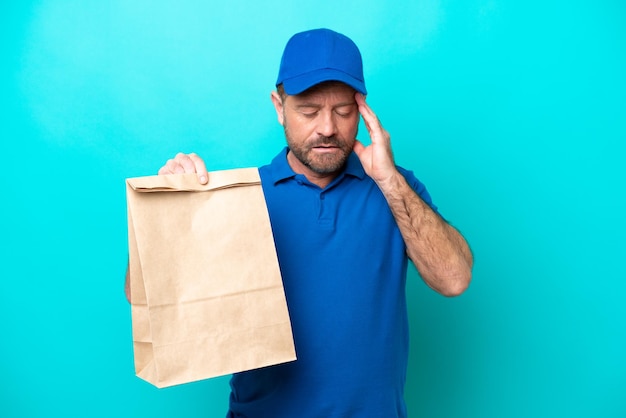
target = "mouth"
x: 329, y: 145
x: 325, y: 148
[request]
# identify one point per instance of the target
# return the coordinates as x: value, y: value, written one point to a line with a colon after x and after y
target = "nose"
x: 327, y: 125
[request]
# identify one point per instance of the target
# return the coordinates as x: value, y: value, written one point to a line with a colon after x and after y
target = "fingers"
x: 366, y: 112
x: 372, y: 123
x: 369, y: 117
x: 186, y: 163
x: 200, y: 168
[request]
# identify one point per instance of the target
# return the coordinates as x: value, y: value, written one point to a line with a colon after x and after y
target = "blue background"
x: 512, y: 113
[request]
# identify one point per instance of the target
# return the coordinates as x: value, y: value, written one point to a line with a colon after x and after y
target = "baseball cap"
x: 319, y: 55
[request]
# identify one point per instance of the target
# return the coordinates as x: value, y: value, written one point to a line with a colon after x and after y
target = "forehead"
x: 332, y: 90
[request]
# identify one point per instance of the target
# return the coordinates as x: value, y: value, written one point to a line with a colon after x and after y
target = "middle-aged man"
x: 344, y: 219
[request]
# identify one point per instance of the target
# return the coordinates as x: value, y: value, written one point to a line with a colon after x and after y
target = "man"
x: 344, y: 219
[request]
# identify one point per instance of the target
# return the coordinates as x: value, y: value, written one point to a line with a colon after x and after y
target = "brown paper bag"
x: 206, y: 292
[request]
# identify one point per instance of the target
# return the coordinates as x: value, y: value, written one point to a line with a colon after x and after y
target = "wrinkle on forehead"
x: 334, y: 95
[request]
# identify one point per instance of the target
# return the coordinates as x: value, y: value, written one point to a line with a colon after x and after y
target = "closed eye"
x: 308, y: 111
x: 345, y: 111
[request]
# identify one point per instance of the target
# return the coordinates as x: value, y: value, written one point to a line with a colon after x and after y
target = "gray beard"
x: 323, y: 164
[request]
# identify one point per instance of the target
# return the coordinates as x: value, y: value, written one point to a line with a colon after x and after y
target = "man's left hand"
x: 377, y: 158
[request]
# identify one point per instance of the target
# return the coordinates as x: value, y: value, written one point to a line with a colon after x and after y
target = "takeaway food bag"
x: 206, y: 292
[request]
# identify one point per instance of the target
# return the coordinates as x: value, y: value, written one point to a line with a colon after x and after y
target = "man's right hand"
x: 186, y: 163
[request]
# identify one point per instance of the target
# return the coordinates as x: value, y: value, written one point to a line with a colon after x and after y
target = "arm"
x: 180, y: 164
x: 439, y: 251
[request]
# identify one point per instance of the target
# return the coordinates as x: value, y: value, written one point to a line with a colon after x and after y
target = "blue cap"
x: 320, y: 55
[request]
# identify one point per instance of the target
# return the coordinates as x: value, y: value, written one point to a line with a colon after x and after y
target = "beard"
x: 320, y: 163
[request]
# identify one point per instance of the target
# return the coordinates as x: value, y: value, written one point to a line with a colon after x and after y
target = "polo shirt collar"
x: 282, y: 171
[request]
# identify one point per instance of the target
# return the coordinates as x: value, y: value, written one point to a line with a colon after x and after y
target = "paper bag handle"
x: 189, y: 182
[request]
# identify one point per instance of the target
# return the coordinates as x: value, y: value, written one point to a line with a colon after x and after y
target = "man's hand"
x: 376, y: 158
x: 186, y: 163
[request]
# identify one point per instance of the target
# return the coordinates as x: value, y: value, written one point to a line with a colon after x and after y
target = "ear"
x: 278, y: 106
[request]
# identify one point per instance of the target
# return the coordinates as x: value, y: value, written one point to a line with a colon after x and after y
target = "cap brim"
x: 297, y: 85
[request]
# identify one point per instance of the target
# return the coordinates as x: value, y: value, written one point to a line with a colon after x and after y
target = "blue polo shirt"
x: 343, y: 263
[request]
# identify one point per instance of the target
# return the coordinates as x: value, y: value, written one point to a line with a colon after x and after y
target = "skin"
x: 320, y: 128
x: 438, y: 250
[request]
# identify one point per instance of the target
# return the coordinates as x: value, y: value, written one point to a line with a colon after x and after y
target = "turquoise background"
x: 512, y: 113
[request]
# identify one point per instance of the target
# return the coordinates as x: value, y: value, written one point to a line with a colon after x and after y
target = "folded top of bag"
x: 189, y: 182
